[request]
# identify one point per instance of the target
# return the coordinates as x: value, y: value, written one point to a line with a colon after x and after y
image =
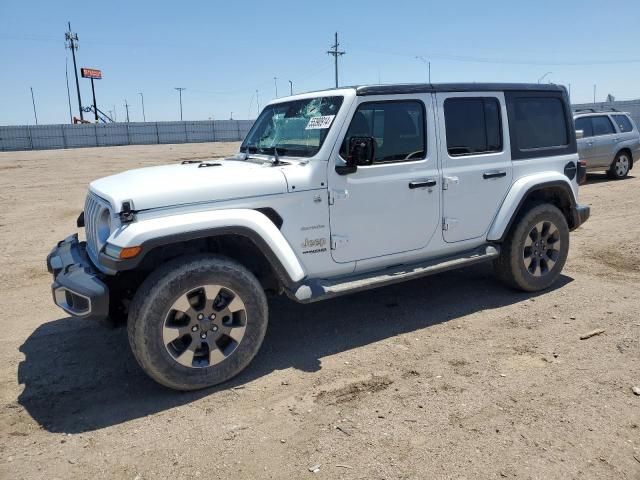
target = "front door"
x: 476, y: 161
x: 392, y: 205
x: 586, y: 144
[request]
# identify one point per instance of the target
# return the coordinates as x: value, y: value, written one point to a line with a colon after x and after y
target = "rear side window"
x: 584, y: 124
x: 540, y: 122
x: 624, y: 124
x: 472, y: 125
x: 602, y: 125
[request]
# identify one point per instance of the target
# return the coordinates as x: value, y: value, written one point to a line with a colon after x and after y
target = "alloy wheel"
x: 541, y: 248
x: 622, y: 165
x: 204, y: 326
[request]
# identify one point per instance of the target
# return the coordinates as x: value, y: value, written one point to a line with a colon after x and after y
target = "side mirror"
x: 361, y: 152
x: 579, y: 134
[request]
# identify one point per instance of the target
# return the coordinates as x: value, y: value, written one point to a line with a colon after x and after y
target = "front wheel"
x: 535, y: 250
x: 197, y: 321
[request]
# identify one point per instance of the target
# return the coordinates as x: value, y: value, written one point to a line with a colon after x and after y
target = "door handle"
x: 422, y: 183
x: 487, y: 175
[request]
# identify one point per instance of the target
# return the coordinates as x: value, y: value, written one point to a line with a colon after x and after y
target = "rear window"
x: 584, y: 124
x: 473, y: 125
x: 624, y: 124
x: 540, y: 123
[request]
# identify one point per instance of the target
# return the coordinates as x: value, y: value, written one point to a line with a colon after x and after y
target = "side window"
x: 396, y: 126
x: 473, y: 125
x: 540, y: 122
x: 602, y: 125
x: 624, y: 124
x: 584, y: 124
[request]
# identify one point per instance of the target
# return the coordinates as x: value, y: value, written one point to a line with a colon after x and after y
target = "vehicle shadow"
x: 593, y: 178
x: 80, y: 376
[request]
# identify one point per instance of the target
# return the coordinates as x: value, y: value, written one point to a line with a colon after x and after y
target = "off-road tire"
x: 153, y: 302
x: 620, y: 166
x: 511, y: 266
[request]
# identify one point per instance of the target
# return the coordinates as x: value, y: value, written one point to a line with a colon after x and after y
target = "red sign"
x: 91, y: 73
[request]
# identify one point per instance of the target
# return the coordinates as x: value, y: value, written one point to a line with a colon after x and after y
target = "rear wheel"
x: 535, y: 250
x: 197, y: 321
x: 620, y: 166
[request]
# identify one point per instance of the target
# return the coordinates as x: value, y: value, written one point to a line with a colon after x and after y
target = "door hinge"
x: 339, y: 241
x: 337, y: 195
x: 448, y: 223
x: 446, y: 181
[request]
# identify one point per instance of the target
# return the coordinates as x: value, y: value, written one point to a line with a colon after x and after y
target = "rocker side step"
x: 319, y: 289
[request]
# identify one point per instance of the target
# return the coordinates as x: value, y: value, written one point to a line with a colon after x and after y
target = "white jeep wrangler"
x: 332, y: 192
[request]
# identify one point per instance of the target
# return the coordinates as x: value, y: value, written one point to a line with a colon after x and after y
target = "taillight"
x: 582, y: 172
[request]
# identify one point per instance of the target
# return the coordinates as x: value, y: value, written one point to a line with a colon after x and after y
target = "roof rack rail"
x: 595, y: 110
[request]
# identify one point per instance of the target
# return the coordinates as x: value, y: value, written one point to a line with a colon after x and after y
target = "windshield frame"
x: 282, y: 150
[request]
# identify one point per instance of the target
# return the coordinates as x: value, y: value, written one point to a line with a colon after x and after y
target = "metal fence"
x: 42, y: 137
x: 630, y: 106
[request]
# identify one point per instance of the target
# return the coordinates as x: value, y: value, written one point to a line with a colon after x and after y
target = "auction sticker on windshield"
x: 320, y: 122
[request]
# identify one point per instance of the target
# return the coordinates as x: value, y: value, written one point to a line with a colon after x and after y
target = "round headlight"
x: 104, y: 226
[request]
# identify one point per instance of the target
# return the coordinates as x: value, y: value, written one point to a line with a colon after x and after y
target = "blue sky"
x: 221, y: 52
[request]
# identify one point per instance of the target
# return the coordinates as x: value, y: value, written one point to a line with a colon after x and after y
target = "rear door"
x: 476, y: 161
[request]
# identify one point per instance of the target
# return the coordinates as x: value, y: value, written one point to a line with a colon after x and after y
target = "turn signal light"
x: 129, y: 252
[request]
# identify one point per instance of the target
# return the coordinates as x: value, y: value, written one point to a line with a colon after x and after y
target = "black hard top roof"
x: 410, y: 88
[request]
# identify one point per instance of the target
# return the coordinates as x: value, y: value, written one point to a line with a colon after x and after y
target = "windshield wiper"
x: 276, y: 156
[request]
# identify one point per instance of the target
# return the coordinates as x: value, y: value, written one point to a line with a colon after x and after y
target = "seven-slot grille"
x: 93, y: 207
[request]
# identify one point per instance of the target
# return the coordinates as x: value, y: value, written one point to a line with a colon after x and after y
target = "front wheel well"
x: 240, y: 248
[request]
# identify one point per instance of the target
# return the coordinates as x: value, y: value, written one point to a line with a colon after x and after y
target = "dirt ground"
x: 452, y: 376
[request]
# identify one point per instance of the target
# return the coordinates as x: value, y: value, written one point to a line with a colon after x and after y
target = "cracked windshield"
x: 296, y: 128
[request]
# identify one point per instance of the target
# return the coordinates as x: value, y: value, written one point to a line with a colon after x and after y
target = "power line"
x: 72, y: 38
x: 505, y: 61
x: 66, y: 74
x: 336, y: 53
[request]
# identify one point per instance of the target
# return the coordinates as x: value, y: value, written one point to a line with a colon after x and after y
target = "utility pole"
x: 34, y: 105
x: 594, y: 93
x: 275, y: 82
x: 144, y: 117
x: 180, y: 89
x: 66, y: 74
x: 335, y: 53
x: 290, y: 87
x: 115, y: 114
x: 126, y: 106
x: 72, y: 38
x: 427, y: 63
x: 258, y: 101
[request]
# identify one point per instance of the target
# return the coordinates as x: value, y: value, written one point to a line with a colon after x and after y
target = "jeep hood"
x: 180, y: 184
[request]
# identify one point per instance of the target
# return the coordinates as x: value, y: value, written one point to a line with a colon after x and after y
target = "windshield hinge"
x: 127, y: 214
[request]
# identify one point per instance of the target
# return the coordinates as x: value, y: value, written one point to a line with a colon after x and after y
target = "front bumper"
x: 77, y: 287
x: 579, y: 215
